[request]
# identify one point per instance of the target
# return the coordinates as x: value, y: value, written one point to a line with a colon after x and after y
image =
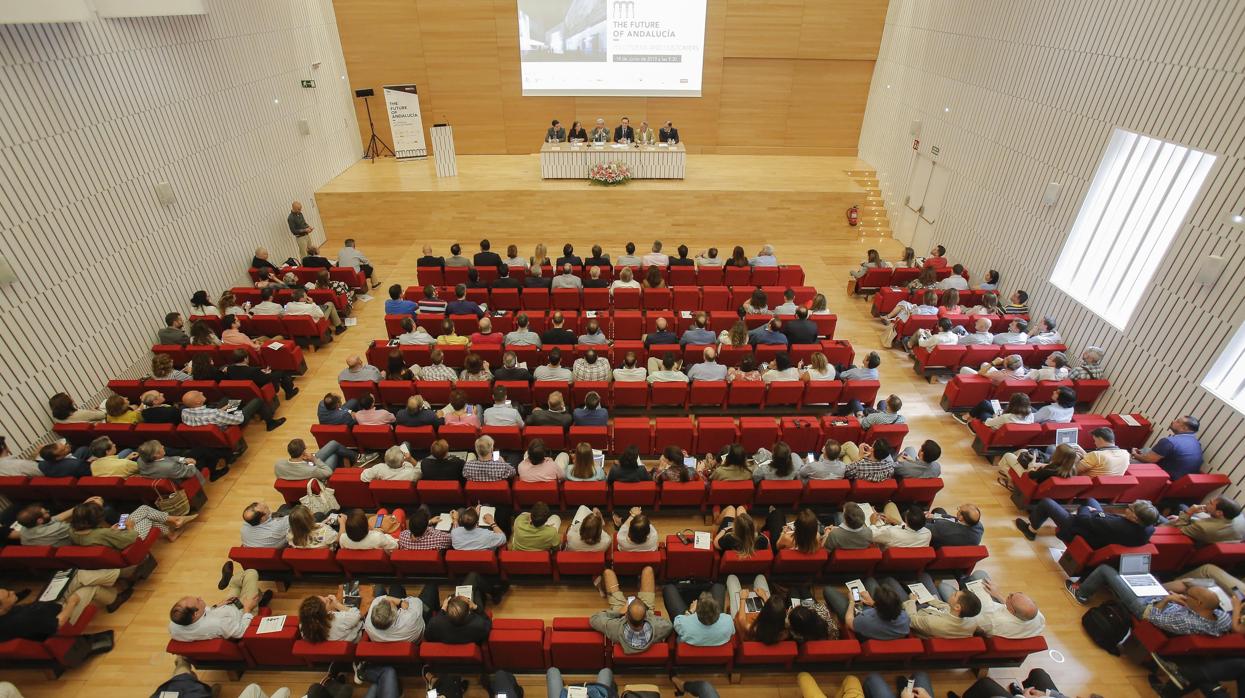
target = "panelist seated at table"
x: 600, y: 132
x: 645, y: 135
x: 577, y: 134
x: 668, y: 133
x: 623, y: 133
x: 555, y: 133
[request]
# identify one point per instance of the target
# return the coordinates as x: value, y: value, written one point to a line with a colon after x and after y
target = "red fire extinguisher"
x: 853, y: 216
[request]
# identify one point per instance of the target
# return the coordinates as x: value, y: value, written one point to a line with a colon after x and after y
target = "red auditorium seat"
x: 589, y: 494
x: 781, y: 654
x: 574, y: 646
x: 364, y: 563
x: 1195, y: 487
x: 1001, y: 651
x: 906, y: 560
x: 368, y: 650
x: 517, y: 644
x: 715, y: 433
x: 526, y: 563
x: 461, y: 562
x: 760, y: 562
x: 785, y: 494
x: 859, y: 563
x: 958, y: 558
x: 920, y: 490
x: 802, y: 434
x: 685, y: 561
x: 624, y: 495
x: 310, y: 561
x: 418, y: 563
x: 597, y: 437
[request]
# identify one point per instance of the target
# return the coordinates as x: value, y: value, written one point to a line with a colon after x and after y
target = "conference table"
x: 572, y: 161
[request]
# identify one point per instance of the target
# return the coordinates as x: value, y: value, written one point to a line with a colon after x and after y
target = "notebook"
x: 922, y: 594
x: 1130, y: 420
x: 486, y: 510
x: 868, y: 510
x: 463, y: 590
x: 445, y: 524
x: 703, y: 541
x: 270, y: 624
x: 978, y: 587
x: 580, y: 514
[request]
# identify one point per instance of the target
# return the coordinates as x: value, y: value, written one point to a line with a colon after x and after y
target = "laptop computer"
x: 1135, y: 571
x: 1069, y: 435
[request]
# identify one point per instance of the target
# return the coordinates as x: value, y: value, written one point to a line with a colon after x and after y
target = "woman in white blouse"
x: 357, y: 532
x: 588, y: 534
x: 1019, y: 411
x: 201, y: 305
x: 818, y: 369
x: 327, y: 619
x: 782, y: 370
x: 626, y: 279
x: 306, y: 532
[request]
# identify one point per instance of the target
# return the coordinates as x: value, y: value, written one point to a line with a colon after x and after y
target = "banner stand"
x: 405, y: 122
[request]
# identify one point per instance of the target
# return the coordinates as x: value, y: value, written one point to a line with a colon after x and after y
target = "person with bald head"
x: 260, y: 263
x: 357, y: 370
x: 1015, y: 616
x: 430, y: 260
x: 557, y: 333
x: 191, y: 619
x: 196, y: 413
x: 567, y: 278
x: 485, y: 336
x: 600, y: 132
x: 964, y: 528
x: 1193, y: 610
x: 630, y: 625
x: 661, y: 334
x: 299, y: 228
x: 593, y: 335
x: 709, y: 369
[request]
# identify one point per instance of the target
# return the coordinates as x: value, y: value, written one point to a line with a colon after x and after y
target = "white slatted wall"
x: 92, y: 115
x: 1034, y: 91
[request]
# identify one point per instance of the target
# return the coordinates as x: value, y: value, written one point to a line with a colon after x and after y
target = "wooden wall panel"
x: 1016, y: 96
x: 825, y: 111
x: 464, y: 57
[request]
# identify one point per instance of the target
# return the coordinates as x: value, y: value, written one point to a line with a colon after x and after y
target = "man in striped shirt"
x: 875, y: 463
x: 430, y: 303
x: 1091, y: 365
x: 483, y: 467
x: 196, y: 413
x: 437, y: 370
x: 1018, y: 304
x: 422, y: 533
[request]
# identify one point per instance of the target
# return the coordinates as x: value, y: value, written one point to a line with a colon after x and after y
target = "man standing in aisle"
x: 299, y: 228
x: 623, y: 133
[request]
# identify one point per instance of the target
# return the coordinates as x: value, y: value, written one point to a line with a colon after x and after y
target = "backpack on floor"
x: 1108, y: 625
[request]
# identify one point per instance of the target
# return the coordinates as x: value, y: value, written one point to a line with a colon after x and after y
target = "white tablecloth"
x: 564, y: 161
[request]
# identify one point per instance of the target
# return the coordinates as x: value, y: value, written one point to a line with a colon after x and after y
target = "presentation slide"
x: 619, y: 48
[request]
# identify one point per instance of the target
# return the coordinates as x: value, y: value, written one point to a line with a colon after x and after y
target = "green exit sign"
x: 309, y: 83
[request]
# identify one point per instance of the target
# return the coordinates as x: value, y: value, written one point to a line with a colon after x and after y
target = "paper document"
x: 275, y: 345
x: 580, y: 514
x: 978, y: 587
x: 1130, y: 420
x: 868, y: 510
x: 350, y: 321
x: 270, y: 624
x: 590, y: 314
x: 685, y: 313
x: 445, y: 524
x: 364, y: 298
x: 703, y: 541
x: 59, y: 581
x: 576, y: 692
x: 486, y: 510
x: 922, y: 594
x: 463, y: 590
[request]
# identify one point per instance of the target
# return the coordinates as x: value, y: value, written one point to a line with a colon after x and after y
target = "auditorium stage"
x: 741, y: 196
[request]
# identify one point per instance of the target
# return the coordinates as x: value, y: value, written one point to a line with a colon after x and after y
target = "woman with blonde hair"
x: 909, y: 260
x: 818, y: 368
x: 540, y: 256
x: 162, y: 369
x: 306, y: 533
x: 228, y: 304
x: 736, y: 336
x: 582, y: 466
x: 1062, y: 464
x: 737, y: 531
x: 626, y: 279
x: 818, y: 305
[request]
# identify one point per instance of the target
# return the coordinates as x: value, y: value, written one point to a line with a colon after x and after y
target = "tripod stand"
x: 375, y: 146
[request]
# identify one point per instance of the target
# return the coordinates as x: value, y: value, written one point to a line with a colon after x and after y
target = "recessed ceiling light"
x: 946, y: 108
x: 888, y: 87
x: 275, y: 100
x: 1238, y: 219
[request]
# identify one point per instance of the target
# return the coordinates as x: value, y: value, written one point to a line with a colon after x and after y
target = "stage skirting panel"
x: 565, y: 161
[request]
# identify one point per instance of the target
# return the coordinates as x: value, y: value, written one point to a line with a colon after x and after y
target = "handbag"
x: 319, y: 503
x: 176, y: 503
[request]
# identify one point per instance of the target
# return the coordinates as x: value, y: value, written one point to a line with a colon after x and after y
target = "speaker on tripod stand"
x: 375, y: 146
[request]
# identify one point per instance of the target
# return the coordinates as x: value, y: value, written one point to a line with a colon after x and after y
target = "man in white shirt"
x: 394, y: 617
x: 709, y: 369
x: 396, y: 465
x: 299, y: 305
x: 1046, y: 333
x: 413, y: 334
x: 787, y: 307
x: 260, y: 529
x: 192, y: 620
x: 553, y: 371
x: 265, y: 305
x: 923, y: 338
x: 894, y: 530
x: 1055, y: 368
x: 350, y: 257
x: 12, y: 466
x: 567, y: 279
x: 501, y: 414
x: 356, y: 370
x: 668, y: 371
x: 521, y: 335
x: 981, y: 335
x: 956, y: 280
x: 629, y: 371
x: 656, y: 257
x: 1017, y: 333
x: 766, y: 257
x: 1014, y: 617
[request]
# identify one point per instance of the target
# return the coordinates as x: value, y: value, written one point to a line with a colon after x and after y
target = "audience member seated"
x: 630, y: 371
x: 671, y: 468
x: 14, y: 466
x: 395, y: 616
x: 396, y: 465
x: 873, y: 261
x: 780, y: 465
x: 522, y: 335
x: 733, y: 465
x: 594, y: 279
x: 1132, y: 527
x: 580, y: 467
x: 449, y: 336
x: 980, y: 335
x: 303, y: 463
x: 484, y: 334
x: 64, y: 411
x: 1046, y: 333
x: 553, y: 370
x: 804, y: 534
x: 430, y: 303
x: 927, y: 340
x: 937, y: 258
x: 709, y: 259
x: 436, y: 370
x: 801, y: 330
x: 953, y: 618
x: 460, y: 305
x: 590, y: 368
x: 1179, y: 454
x: 661, y: 334
x: 192, y: 620
x: 397, y: 305
x: 767, y: 626
x: 261, y: 529
x: 327, y: 619
x: 475, y: 532
x: 871, y: 463
x: 537, y: 466
x: 557, y: 333
x: 631, y: 625
x: 892, y: 529
x: 358, y: 531
x: 852, y: 532
x: 173, y: 331
x: 636, y: 534
x: 709, y: 369
x: 629, y: 468
x: 829, y: 466
x: 964, y: 528
x: 157, y: 462
x: 307, y: 533
x: 592, y: 414
x: 699, y: 333
x: 1091, y: 367
x: 299, y: 304
x: 417, y: 413
x: 162, y: 369
x: 1055, y: 368
x: 1193, y: 610
x: 555, y: 415
x: 765, y: 258
x: 502, y: 414
x: 1019, y: 410
x: 458, y: 411
x: 668, y: 370
x: 920, y: 464
x: 105, y: 461
x: 40, y: 527
x: 475, y: 368
x: 735, y: 336
x: 782, y: 370
x: 90, y: 527
x: 1105, y: 459
x: 510, y: 369
x: 587, y: 534
x: 59, y: 459
x: 626, y: 279
x: 1209, y: 523
x: 536, y: 530
x: 703, y: 623
x: 368, y: 413
x: 461, y: 620
x: 887, y: 412
x: 357, y: 370
x: 486, y: 466
x: 769, y: 334
x: 422, y: 532
x: 737, y: 531
x: 396, y: 368
x: 878, y: 615
x: 332, y: 411
x: 266, y: 306
x: 868, y: 372
x: 1015, y: 616
x: 567, y: 279
x: 1038, y: 683
x: 1060, y: 409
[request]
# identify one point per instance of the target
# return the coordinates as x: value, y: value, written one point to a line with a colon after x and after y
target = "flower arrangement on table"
x: 609, y: 174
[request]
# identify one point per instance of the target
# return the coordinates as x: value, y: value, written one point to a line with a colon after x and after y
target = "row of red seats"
x: 279, y: 356
x: 113, y: 489
x: 699, y: 435
x: 876, y: 280
x: 252, y: 295
x: 679, y: 298
x: 950, y: 358
x: 885, y: 300
x: 966, y: 392
x: 1142, y: 481
x: 171, y: 435
x: 351, y: 491
x: 303, y: 329
x: 675, y: 561
x: 528, y: 645
x: 82, y: 557
x: 838, y: 352
x: 64, y: 650
x: 786, y: 275
x: 1009, y: 437
x: 818, y: 395
x: 909, y: 327
x: 616, y: 324
x: 306, y: 275
x: 173, y: 391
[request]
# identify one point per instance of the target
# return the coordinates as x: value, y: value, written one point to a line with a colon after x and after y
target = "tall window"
x: 1140, y: 195
x: 1226, y: 378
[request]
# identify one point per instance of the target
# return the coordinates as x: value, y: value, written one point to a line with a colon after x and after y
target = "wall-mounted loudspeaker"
x: 367, y: 92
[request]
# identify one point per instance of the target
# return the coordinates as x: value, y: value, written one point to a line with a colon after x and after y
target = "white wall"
x: 92, y: 115
x: 1033, y: 92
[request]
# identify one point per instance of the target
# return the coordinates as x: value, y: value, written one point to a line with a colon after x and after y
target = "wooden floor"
x: 827, y: 251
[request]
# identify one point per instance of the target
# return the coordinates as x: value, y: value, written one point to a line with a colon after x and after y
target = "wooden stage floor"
x: 496, y: 195
x: 827, y: 250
